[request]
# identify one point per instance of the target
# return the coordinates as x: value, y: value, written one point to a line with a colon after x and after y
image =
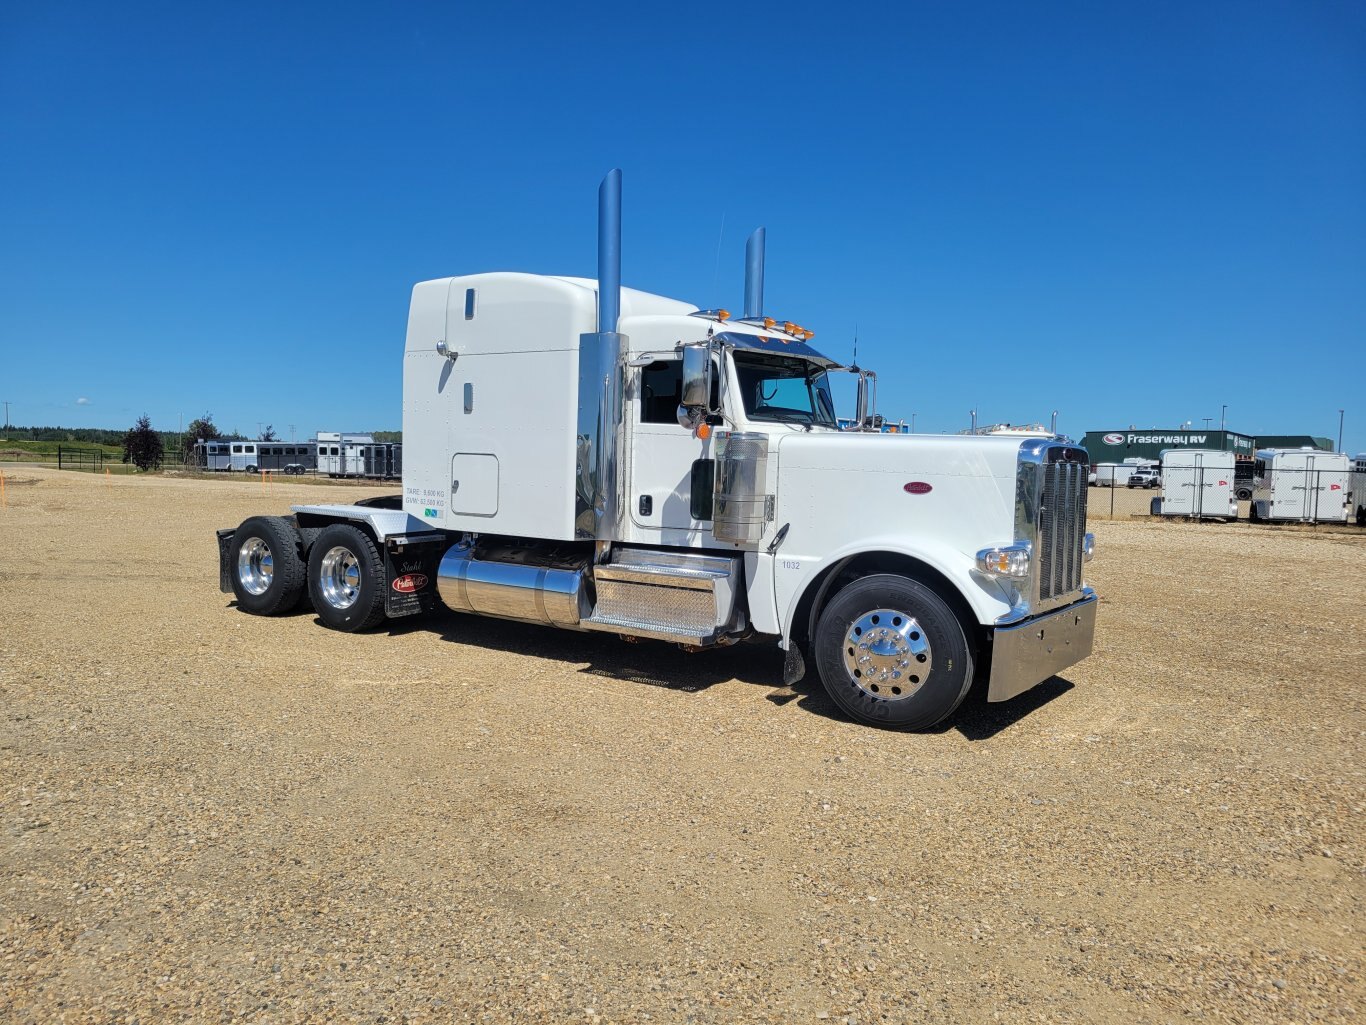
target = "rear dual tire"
x: 346, y: 578
x: 266, y: 565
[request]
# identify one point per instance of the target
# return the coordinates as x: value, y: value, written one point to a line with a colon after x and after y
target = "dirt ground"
x: 208, y: 816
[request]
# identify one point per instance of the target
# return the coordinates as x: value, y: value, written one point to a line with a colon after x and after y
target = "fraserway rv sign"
x: 1155, y: 439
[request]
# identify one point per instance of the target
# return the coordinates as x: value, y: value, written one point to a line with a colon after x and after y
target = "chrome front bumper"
x: 1025, y: 654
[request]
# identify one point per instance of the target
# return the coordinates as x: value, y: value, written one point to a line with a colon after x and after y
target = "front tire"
x: 346, y: 578
x: 892, y: 653
x: 267, y: 569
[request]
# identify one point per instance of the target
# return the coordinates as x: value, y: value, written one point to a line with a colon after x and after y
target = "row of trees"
x: 106, y: 436
x: 147, y: 448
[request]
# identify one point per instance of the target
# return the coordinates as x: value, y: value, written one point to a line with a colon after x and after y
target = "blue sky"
x: 1132, y: 214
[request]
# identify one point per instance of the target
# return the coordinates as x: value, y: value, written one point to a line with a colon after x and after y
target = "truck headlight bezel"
x: 1007, y: 562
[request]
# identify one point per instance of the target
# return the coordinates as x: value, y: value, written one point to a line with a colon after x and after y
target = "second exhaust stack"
x: 754, y: 274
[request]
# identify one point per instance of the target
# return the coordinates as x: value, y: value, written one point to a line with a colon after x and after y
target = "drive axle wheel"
x: 346, y: 578
x: 266, y: 567
x: 892, y: 653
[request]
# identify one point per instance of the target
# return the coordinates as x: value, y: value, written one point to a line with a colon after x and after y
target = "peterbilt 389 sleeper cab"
x: 587, y: 457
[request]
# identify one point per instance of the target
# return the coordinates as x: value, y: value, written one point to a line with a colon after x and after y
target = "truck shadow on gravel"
x: 657, y: 664
x: 654, y: 663
x: 975, y: 719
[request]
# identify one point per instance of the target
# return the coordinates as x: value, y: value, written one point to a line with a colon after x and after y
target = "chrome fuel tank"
x: 512, y: 590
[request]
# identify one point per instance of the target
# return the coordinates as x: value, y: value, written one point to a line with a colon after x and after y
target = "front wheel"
x: 892, y: 653
x: 346, y: 578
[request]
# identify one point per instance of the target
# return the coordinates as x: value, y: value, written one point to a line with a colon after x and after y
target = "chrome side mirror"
x: 696, y: 375
x: 696, y: 391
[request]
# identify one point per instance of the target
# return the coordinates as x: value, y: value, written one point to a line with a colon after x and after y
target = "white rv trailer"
x: 1358, y: 489
x: 594, y: 458
x: 1197, y: 482
x: 1302, y: 484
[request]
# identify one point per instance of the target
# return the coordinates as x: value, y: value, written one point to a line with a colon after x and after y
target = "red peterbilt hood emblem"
x: 918, y: 487
x: 410, y: 582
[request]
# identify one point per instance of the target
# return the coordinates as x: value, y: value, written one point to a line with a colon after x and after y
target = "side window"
x: 237, y: 449
x: 661, y: 388
x: 661, y: 391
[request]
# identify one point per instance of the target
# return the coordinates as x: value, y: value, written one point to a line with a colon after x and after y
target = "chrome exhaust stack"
x: 602, y: 356
x: 754, y: 275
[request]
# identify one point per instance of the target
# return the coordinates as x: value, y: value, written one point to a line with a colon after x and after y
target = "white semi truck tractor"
x: 590, y: 457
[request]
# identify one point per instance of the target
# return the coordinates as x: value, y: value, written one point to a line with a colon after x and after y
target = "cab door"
x: 672, y: 472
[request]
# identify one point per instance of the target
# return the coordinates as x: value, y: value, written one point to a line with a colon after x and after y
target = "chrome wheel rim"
x: 887, y: 654
x: 255, y: 566
x: 340, y: 577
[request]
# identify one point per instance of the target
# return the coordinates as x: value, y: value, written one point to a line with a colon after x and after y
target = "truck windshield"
x: 783, y: 390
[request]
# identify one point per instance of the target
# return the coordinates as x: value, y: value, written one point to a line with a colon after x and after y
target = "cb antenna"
x: 855, y: 363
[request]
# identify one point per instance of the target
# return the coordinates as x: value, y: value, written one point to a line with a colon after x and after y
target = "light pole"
x: 1207, y: 420
x: 1340, y: 430
x: 912, y: 423
x: 1222, y: 422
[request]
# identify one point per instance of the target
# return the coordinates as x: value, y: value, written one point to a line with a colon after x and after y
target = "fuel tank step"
x: 671, y: 596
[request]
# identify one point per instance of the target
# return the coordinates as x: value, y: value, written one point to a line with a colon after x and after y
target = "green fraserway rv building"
x: 1117, y: 446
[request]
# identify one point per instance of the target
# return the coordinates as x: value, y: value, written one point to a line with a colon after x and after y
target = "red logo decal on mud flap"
x: 410, y: 582
x: 918, y: 487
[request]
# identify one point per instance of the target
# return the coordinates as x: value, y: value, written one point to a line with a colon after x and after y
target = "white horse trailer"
x: 383, y: 459
x: 341, y: 454
x: 276, y: 456
x: 1197, y: 482
x: 1303, y: 485
x: 213, y: 455
x: 1357, y: 495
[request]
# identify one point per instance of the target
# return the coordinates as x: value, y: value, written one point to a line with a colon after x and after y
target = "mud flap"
x: 410, y: 576
x: 224, y: 570
x: 794, y: 666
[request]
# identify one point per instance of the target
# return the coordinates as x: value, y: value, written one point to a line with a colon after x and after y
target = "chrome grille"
x: 1062, y: 526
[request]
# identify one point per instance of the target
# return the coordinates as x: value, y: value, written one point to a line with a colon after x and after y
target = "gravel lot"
x: 209, y: 816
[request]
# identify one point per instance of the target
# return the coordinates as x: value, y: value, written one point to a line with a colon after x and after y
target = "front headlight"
x: 1005, y: 560
x: 1088, y: 547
